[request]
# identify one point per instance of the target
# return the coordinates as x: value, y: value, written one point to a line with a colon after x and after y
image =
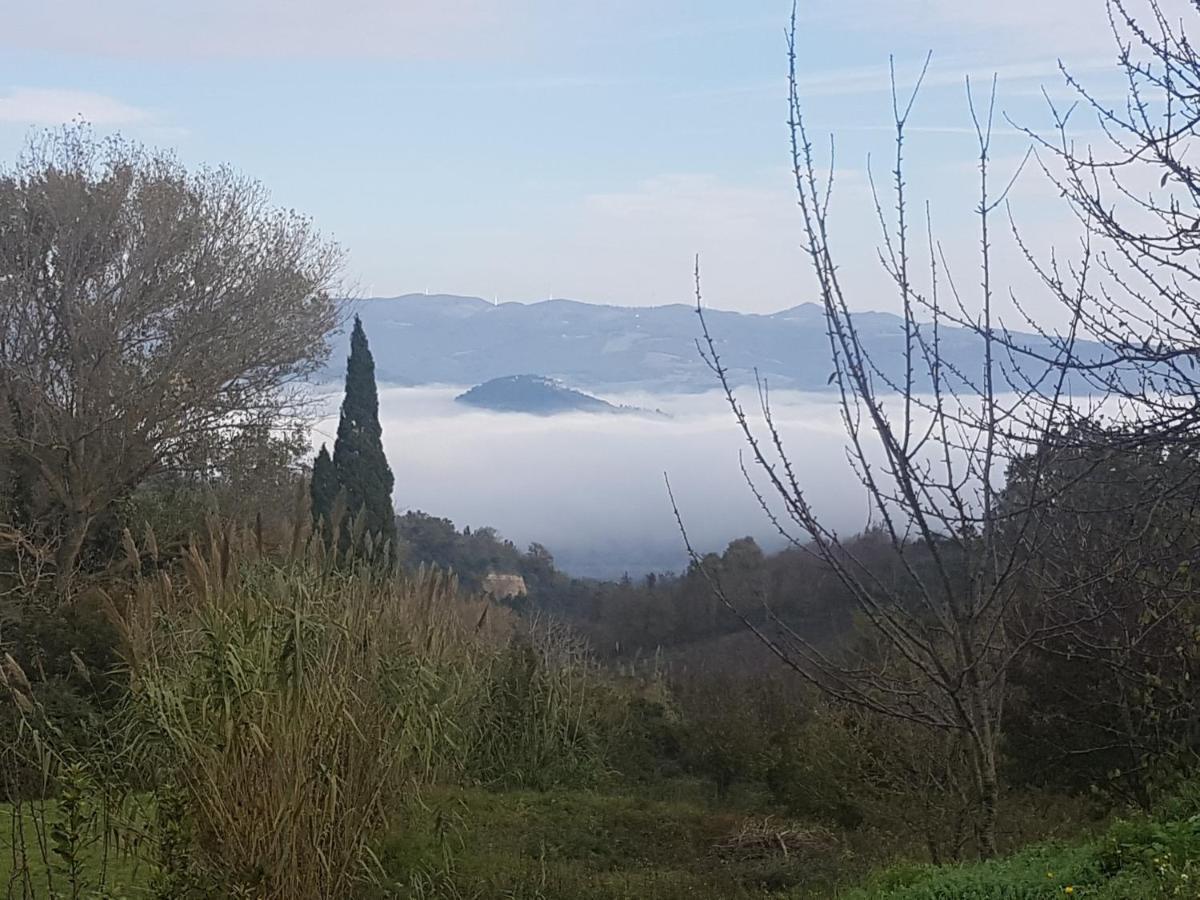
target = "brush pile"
x: 767, y: 838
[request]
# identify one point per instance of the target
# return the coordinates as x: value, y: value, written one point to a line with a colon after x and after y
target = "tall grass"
x: 276, y: 704
x: 285, y: 704
x: 294, y: 703
x: 544, y: 716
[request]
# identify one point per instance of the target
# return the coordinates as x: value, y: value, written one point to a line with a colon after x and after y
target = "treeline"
x: 663, y: 611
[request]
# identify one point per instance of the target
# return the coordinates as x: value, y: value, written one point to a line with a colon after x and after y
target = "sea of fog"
x: 591, y: 487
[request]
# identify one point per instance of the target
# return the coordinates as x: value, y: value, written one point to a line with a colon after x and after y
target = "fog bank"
x: 590, y: 487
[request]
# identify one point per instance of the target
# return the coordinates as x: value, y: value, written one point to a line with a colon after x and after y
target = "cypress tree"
x: 358, y: 460
x: 323, y: 488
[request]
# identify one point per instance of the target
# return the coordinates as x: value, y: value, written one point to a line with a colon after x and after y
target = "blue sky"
x: 529, y: 148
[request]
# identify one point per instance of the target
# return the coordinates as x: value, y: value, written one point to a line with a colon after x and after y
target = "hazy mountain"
x: 537, y: 395
x: 437, y: 338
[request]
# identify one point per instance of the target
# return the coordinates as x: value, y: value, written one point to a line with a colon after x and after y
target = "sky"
x: 523, y: 149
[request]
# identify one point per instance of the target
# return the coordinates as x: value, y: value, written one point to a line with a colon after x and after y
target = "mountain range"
x: 446, y: 339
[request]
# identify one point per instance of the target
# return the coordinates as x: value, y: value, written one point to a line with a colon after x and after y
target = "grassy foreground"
x: 1143, y: 860
x: 568, y: 844
x: 673, y: 843
x: 601, y: 845
x: 303, y: 731
x: 457, y: 842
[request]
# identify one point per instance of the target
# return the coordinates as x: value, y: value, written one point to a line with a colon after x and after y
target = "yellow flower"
x: 1069, y: 889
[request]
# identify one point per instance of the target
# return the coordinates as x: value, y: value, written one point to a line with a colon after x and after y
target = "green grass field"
x: 595, y: 845
x: 30, y: 868
x: 671, y: 843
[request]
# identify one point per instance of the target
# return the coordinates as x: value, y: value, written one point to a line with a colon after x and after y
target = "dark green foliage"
x: 1149, y: 844
x: 323, y: 488
x: 739, y: 728
x: 668, y: 611
x: 70, y: 658
x: 174, y: 876
x: 362, y: 468
x: 1106, y: 700
x: 652, y: 741
x: 71, y: 832
x: 473, y: 553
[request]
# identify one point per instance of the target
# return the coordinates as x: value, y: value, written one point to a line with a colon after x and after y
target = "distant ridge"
x: 447, y: 339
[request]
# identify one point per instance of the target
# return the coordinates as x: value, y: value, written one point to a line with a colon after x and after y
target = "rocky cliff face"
x: 502, y: 586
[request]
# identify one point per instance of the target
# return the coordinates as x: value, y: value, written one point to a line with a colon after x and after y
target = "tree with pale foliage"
x: 147, y: 314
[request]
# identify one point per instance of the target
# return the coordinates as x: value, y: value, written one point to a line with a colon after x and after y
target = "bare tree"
x: 1136, y: 194
x: 1123, y: 535
x: 930, y: 449
x: 143, y: 310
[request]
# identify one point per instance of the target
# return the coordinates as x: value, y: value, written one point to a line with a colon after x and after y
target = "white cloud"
x: 746, y: 232
x: 304, y: 29
x: 1066, y: 29
x: 949, y: 72
x: 52, y: 106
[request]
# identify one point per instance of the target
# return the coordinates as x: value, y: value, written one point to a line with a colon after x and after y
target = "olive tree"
x: 146, y: 313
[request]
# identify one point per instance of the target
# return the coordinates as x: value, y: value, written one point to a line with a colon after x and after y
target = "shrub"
x: 1167, y: 851
x: 540, y: 719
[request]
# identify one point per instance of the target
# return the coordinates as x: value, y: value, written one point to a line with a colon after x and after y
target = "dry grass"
x: 292, y: 703
x: 288, y: 701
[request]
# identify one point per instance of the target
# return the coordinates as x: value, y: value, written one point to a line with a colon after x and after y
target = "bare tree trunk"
x: 66, y: 558
x: 989, y: 803
x: 1141, y: 789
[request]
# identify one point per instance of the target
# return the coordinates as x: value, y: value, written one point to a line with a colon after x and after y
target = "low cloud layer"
x: 590, y: 487
x: 53, y: 106
x: 305, y: 29
x: 225, y: 28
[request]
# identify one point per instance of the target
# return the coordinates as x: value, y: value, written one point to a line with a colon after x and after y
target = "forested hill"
x: 537, y: 395
x: 439, y: 338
